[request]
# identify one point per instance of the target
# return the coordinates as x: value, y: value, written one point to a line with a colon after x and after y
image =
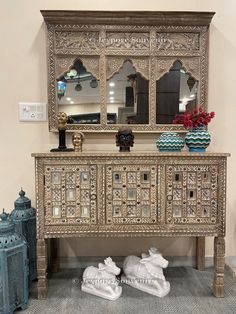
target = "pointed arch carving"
x: 151, y: 41
x: 191, y: 66
x: 114, y: 64
x: 63, y: 65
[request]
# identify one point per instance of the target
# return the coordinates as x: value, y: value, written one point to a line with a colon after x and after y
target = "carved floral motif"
x: 177, y: 41
x: 76, y: 40
x: 125, y: 40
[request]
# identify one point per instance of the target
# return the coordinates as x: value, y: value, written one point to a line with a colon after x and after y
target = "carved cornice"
x: 128, y: 17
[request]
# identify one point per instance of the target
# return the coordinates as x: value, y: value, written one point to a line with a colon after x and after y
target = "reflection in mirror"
x: 127, y: 97
x: 176, y: 92
x: 78, y: 95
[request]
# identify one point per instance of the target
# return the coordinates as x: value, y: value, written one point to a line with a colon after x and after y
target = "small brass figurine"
x: 62, y: 122
x: 125, y: 139
x: 77, y: 140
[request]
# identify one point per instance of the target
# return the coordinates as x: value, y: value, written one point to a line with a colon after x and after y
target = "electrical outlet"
x: 32, y: 111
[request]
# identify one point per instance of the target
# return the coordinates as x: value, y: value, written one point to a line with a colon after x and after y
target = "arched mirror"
x: 108, y: 69
x: 127, y: 96
x: 176, y: 92
x: 78, y: 95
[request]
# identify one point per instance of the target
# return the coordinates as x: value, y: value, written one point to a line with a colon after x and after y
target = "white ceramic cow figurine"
x: 102, y: 281
x: 146, y: 273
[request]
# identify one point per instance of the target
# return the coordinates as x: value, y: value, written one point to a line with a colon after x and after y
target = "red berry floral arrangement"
x: 195, y: 119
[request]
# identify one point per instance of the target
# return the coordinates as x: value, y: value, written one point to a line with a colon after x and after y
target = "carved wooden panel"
x: 122, y: 194
x: 131, y: 194
x: 178, y: 41
x: 70, y: 194
x: 191, y: 194
x: 112, y: 38
x: 127, y: 40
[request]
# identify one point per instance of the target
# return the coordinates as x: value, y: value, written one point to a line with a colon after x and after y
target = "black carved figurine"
x: 124, y: 139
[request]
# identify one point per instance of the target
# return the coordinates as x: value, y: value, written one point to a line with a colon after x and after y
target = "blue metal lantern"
x: 24, y: 217
x: 61, y: 88
x: 13, y: 268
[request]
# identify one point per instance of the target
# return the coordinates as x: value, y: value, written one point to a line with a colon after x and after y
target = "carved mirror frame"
x: 90, y: 36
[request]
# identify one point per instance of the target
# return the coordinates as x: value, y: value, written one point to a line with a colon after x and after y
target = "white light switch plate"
x: 32, y: 111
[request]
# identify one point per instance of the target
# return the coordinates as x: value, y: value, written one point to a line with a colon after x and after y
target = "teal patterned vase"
x: 170, y: 142
x: 198, y: 139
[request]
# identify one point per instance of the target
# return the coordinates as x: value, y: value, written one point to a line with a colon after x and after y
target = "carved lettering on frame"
x: 76, y: 40
x: 177, y: 41
x: 117, y: 40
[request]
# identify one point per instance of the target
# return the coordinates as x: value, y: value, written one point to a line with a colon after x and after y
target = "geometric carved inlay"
x: 68, y: 190
x: 191, y: 194
x: 131, y: 194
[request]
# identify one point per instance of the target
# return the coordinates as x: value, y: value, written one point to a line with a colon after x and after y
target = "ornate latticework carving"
x: 142, y: 66
x: 193, y: 183
x: 163, y: 66
x: 92, y: 65
x: 192, y: 194
x: 70, y: 194
x: 76, y: 40
x: 64, y: 64
x: 185, y: 40
x: 113, y: 65
x: 177, y: 41
x: 127, y: 40
x: 130, y: 195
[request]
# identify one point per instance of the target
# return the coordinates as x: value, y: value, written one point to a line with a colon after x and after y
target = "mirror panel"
x: 176, y: 92
x: 127, y: 97
x: 78, y: 95
x: 104, y: 45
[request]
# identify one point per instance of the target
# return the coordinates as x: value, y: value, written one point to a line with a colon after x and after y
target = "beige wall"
x: 23, y: 77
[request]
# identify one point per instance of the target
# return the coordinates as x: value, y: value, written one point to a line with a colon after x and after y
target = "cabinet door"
x: 192, y: 192
x: 131, y: 194
x: 70, y: 194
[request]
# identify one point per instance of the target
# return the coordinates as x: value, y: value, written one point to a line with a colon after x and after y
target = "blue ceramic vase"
x: 170, y: 142
x: 198, y: 139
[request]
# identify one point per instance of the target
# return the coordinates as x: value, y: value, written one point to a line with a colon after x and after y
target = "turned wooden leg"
x: 42, y: 268
x: 219, y: 263
x: 200, y: 253
x: 54, y: 254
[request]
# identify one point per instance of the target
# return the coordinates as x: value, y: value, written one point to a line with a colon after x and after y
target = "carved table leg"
x: 200, y: 253
x: 219, y: 263
x: 54, y: 254
x: 42, y: 268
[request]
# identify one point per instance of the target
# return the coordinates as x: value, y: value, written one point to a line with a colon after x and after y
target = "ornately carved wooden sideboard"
x: 130, y: 194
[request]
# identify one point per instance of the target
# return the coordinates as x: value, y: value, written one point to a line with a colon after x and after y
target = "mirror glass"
x: 78, y: 95
x: 127, y: 97
x: 176, y: 92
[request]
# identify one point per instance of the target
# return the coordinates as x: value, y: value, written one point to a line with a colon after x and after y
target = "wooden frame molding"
x: 68, y: 40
